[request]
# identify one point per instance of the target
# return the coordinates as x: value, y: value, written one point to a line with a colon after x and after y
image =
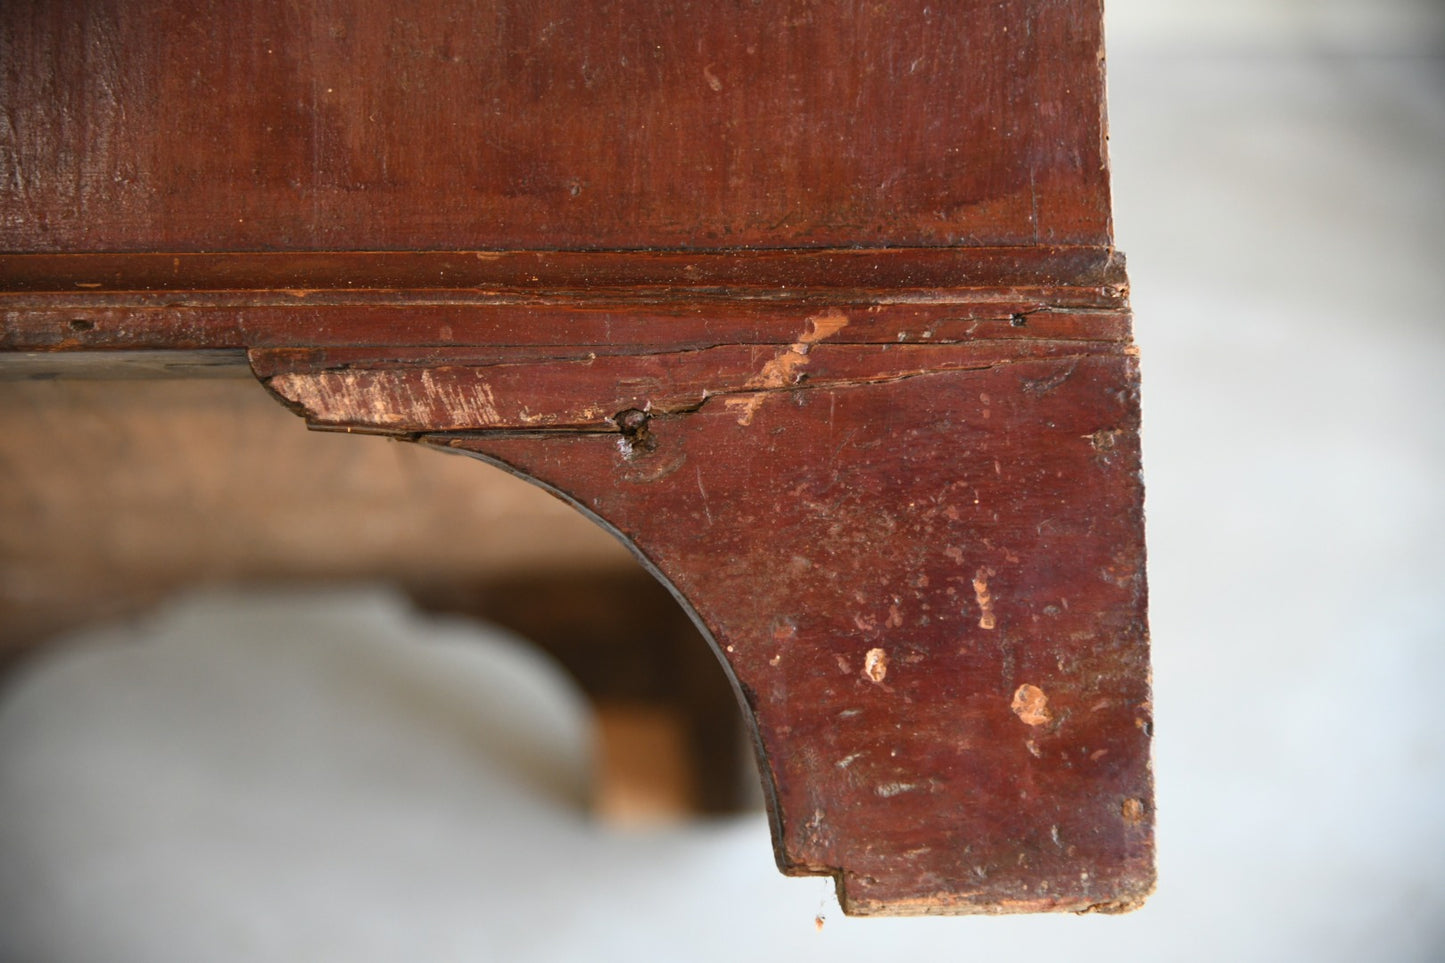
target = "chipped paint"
x: 1031, y: 705
x: 875, y: 665
x: 986, y: 619
x: 322, y: 395
x: 1133, y: 811
x: 783, y: 370
x: 382, y: 398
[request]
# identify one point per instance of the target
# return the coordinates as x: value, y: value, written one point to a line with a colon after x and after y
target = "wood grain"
x: 814, y: 304
x: 282, y: 126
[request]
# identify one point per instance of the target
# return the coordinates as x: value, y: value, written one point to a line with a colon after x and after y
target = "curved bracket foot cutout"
x: 921, y: 564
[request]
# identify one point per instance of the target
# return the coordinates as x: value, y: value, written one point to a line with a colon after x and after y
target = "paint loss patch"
x: 1031, y: 705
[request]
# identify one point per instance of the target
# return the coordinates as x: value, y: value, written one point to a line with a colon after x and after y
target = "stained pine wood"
x: 815, y: 305
x: 279, y: 125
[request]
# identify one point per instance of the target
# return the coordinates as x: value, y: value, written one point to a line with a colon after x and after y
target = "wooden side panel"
x: 458, y: 124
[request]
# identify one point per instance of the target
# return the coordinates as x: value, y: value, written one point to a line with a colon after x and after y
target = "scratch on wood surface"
x: 981, y: 593
x: 706, y: 511
x: 338, y: 390
x: 1046, y: 384
x: 477, y: 405
x: 783, y: 370
x: 361, y: 397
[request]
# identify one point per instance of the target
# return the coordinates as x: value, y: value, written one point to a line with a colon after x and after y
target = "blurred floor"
x: 1285, y: 222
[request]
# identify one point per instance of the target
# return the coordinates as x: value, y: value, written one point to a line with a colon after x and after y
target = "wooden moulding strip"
x: 724, y: 273
x: 673, y: 300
